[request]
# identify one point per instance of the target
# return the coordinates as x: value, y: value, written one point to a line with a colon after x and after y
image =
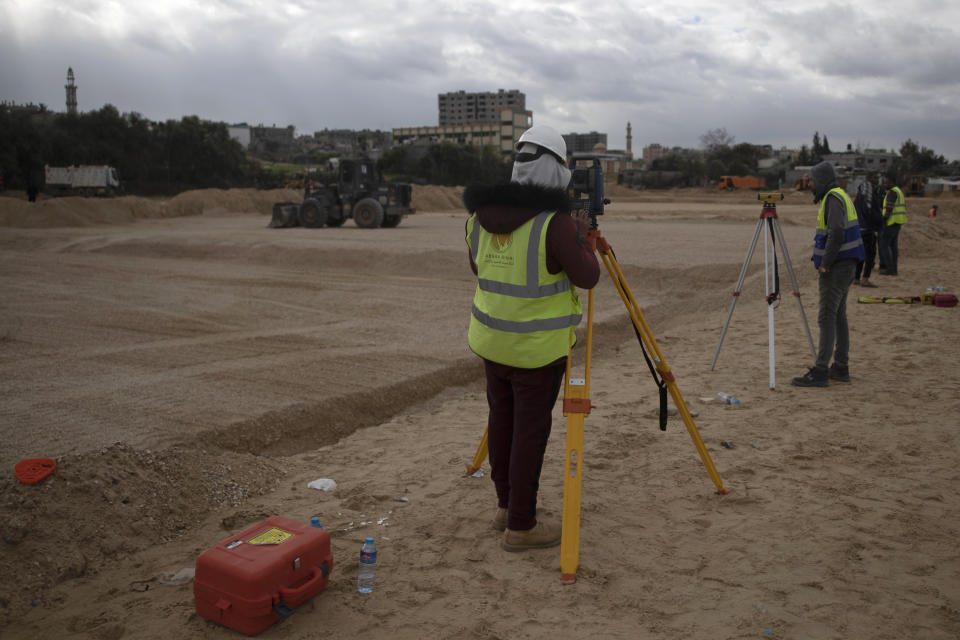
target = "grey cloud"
x: 756, y: 70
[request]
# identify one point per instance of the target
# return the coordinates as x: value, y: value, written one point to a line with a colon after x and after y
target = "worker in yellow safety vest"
x: 894, y: 217
x: 837, y: 248
x: 529, y: 252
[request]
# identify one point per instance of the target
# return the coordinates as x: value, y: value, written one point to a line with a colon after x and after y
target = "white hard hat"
x: 546, y: 137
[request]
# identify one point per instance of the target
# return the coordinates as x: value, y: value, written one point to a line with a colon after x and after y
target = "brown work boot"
x: 500, y: 520
x: 541, y: 536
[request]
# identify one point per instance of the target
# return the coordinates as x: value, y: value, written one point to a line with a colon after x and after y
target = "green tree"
x: 918, y: 159
x: 448, y: 164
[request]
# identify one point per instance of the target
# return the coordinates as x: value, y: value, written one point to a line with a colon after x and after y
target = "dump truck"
x: 359, y: 193
x: 81, y: 180
x: 731, y: 183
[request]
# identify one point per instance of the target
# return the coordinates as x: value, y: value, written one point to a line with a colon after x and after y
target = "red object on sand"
x: 33, y: 470
x: 252, y: 579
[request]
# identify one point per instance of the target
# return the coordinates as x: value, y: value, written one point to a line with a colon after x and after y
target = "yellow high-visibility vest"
x: 522, y: 315
x: 899, y: 213
x: 852, y: 246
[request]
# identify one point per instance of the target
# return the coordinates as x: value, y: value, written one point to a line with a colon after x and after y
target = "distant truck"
x: 730, y: 183
x: 81, y: 180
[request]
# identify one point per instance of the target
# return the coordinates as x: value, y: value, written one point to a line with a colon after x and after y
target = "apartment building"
x: 461, y: 107
x: 502, y: 132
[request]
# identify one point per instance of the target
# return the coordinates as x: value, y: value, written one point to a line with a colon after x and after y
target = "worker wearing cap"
x: 529, y: 253
x: 837, y: 247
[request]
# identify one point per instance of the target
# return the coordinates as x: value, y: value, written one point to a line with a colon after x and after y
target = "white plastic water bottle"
x: 368, y: 567
x: 726, y: 398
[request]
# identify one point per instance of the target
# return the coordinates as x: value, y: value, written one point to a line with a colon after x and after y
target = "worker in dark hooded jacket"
x: 529, y: 252
x: 837, y: 248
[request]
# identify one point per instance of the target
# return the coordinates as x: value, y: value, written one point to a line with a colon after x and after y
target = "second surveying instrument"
x: 771, y: 226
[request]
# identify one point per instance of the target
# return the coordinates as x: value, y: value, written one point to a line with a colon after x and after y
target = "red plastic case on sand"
x: 256, y: 577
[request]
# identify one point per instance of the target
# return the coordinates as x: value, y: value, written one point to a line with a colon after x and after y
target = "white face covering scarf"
x: 545, y: 170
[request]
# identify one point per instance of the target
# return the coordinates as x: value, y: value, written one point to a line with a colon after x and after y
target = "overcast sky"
x: 866, y: 73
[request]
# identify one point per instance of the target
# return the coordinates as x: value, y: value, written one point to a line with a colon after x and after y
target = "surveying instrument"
x: 576, y: 391
x: 771, y: 232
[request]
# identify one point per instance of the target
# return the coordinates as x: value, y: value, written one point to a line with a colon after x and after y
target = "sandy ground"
x: 192, y: 370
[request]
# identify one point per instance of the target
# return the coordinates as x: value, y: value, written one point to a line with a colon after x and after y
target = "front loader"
x: 359, y: 193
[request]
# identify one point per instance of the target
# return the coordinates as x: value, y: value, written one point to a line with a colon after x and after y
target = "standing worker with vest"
x: 529, y: 253
x: 894, y: 217
x: 837, y: 248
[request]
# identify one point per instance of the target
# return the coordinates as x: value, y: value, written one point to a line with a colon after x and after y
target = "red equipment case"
x: 256, y: 577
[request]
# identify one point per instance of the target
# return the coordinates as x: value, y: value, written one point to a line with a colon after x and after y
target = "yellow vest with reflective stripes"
x: 522, y: 315
x: 852, y: 247
x: 899, y: 213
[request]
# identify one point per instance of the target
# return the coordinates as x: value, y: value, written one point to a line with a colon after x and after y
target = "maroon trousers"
x: 521, y: 406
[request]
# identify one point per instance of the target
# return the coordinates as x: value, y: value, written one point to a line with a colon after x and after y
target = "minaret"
x: 71, y: 93
x: 629, y: 142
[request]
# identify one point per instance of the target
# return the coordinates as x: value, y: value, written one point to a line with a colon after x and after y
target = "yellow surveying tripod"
x: 576, y: 391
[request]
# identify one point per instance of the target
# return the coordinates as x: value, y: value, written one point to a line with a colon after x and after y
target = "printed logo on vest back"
x: 501, y: 241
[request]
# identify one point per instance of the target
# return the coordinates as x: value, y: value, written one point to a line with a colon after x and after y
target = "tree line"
x: 168, y: 157
x: 447, y: 164
x: 152, y: 157
x: 720, y: 156
x: 164, y: 158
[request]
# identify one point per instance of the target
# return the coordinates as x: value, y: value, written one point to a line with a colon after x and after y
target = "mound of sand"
x: 433, y: 198
x: 116, y: 501
x: 88, y: 212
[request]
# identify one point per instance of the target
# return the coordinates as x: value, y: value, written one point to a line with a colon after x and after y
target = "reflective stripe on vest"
x: 898, y: 215
x: 531, y: 287
x: 522, y: 315
x: 852, y: 247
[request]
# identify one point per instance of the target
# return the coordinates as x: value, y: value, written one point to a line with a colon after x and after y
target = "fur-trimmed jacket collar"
x: 501, y: 208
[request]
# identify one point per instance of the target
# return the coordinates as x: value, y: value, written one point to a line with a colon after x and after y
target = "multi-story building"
x: 352, y: 141
x: 653, y: 151
x: 584, y: 142
x: 868, y: 160
x: 271, y: 141
x: 461, y: 107
x: 502, y: 133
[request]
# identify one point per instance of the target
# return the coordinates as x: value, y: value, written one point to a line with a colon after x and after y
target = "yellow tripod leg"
x: 576, y: 407
x: 572, y: 491
x: 646, y: 336
x: 479, y: 456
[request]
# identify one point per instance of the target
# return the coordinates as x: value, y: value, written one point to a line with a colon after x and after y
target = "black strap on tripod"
x: 773, y: 297
x: 658, y: 380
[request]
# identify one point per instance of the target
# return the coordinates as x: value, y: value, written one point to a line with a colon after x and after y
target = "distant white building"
x: 866, y: 161
x: 240, y: 133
